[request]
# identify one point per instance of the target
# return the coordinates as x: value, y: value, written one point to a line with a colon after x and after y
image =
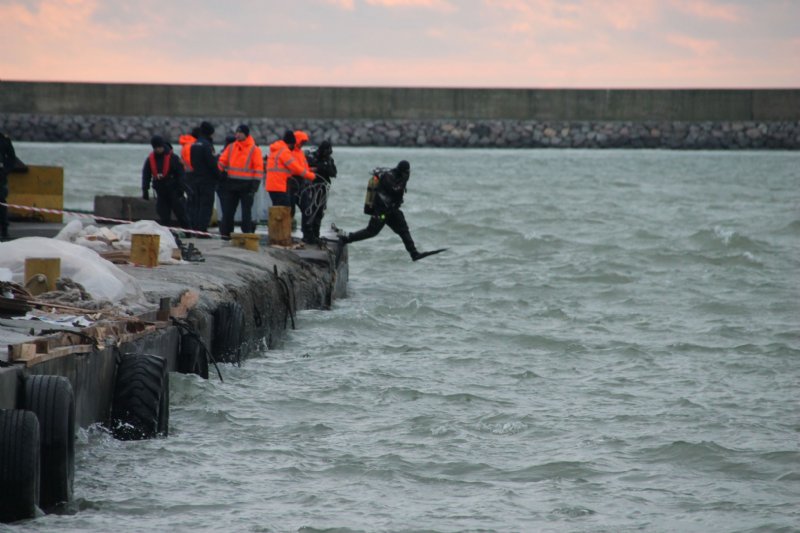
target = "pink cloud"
x: 348, y: 5
x: 709, y: 10
x: 537, y: 13
x: 702, y: 47
x: 436, y: 5
x: 484, y: 43
x: 618, y: 14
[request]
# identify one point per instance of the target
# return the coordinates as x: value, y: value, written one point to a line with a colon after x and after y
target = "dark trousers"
x: 170, y: 200
x: 201, y: 203
x: 395, y: 220
x: 313, y: 201
x: 234, y: 193
x: 280, y: 199
x: 3, y: 199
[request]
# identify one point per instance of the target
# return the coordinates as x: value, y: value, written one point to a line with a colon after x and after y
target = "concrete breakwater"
x: 461, y: 133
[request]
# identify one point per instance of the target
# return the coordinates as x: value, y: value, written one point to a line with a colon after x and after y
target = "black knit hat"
x: 244, y: 128
x: 288, y: 137
x: 206, y: 128
x: 157, y: 141
x: 404, y: 166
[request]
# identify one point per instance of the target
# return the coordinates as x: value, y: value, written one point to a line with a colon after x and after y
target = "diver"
x: 384, y: 198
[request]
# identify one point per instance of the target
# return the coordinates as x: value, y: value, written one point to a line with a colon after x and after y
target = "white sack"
x: 101, y: 278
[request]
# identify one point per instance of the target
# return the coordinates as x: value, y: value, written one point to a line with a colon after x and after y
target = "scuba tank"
x: 372, y: 185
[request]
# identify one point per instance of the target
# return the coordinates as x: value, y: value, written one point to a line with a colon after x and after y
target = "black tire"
x: 228, y: 327
x: 52, y: 400
x: 193, y: 358
x: 140, y: 408
x: 20, y: 465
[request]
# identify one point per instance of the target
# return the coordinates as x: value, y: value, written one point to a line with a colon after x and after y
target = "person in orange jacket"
x: 283, y: 165
x: 186, y: 141
x: 242, y: 167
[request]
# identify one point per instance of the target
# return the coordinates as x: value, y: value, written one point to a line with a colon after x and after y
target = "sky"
x: 406, y: 43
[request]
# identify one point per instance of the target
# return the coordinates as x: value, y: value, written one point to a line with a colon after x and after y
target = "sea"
x: 611, y: 342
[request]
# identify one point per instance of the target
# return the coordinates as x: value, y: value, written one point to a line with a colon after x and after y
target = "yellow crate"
x: 39, y: 187
x: 248, y: 241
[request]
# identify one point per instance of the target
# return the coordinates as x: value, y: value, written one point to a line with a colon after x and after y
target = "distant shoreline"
x: 677, y: 135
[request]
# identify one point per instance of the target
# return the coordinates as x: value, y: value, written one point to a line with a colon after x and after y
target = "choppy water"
x: 612, y: 343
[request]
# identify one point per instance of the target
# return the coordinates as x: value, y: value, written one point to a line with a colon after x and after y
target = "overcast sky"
x: 411, y: 43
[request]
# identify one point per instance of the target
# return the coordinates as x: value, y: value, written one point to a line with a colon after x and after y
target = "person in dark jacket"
x: 8, y: 158
x: 385, y: 210
x: 315, y: 196
x: 204, y: 180
x: 164, y: 169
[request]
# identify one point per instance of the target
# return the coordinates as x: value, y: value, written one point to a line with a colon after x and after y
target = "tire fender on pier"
x: 20, y: 463
x: 140, y: 408
x: 51, y: 399
x: 226, y: 344
x: 192, y: 358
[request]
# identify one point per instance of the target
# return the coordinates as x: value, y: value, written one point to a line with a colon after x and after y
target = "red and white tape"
x: 95, y: 217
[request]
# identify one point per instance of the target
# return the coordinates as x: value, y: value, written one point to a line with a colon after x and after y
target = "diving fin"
x: 420, y: 255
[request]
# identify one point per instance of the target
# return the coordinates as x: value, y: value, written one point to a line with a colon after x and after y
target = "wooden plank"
x: 55, y: 353
x: 17, y: 352
x: 144, y: 249
x: 49, y: 267
x: 280, y: 225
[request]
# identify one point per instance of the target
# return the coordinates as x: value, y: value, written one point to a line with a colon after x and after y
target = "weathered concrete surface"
x: 235, y: 274
x: 399, y: 103
x: 196, y: 291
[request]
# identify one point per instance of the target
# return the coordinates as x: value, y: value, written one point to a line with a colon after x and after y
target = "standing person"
x: 300, y: 188
x: 282, y: 165
x: 8, y: 158
x: 324, y: 168
x: 204, y: 178
x: 186, y: 141
x: 242, y: 167
x: 390, y: 186
x: 165, y: 170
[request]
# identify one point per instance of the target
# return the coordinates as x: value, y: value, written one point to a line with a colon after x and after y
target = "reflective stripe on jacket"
x: 281, y: 165
x: 242, y: 160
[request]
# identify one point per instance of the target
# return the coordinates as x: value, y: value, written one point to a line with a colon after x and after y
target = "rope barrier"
x: 95, y: 217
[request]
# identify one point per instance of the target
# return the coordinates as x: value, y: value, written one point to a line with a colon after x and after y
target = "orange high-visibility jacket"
x: 186, y: 141
x: 282, y: 164
x: 242, y: 160
x: 301, y: 138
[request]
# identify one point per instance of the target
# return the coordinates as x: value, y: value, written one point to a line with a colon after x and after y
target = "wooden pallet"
x: 65, y: 343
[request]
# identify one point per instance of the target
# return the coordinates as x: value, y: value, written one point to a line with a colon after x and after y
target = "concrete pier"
x: 267, y: 287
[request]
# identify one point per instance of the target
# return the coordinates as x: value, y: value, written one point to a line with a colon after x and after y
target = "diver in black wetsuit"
x: 385, y: 210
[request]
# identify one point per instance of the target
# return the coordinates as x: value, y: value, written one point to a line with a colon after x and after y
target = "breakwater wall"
x: 519, y: 118
x: 428, y: 133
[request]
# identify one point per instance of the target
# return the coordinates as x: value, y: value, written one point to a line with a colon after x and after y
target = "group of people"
x: 185, y: 184
x: 293, y: 178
